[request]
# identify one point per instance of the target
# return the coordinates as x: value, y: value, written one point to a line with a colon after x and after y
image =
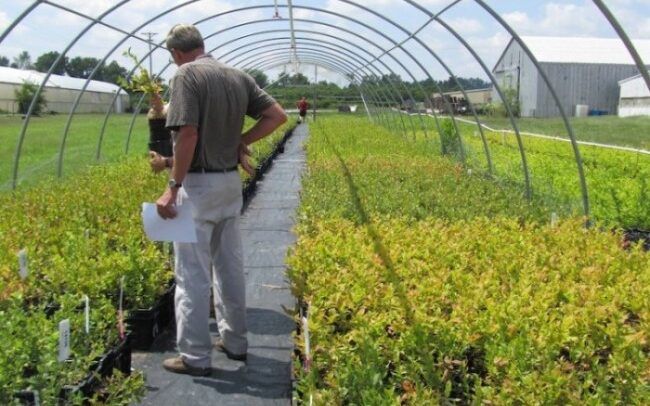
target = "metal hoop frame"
x: 357, y: 63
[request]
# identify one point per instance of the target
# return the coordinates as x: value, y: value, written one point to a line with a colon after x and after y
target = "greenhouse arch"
x: 335, y: 57
x: 361, y: 202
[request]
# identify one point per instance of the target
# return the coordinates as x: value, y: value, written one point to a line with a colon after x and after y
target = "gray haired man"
x: 208, y: 103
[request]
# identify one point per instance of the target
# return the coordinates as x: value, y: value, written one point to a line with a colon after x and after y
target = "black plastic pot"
x: 145, y: 325
x: 164, y: 148
x: 160, y: 137
x: 26, y: 397
x: 637, y: 235
x: 118, y: 358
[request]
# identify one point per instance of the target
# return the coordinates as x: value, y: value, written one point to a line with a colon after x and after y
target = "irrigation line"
x: 554, y: 138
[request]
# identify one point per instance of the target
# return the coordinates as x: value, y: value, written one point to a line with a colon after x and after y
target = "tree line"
x: 288, y: 88
x: 77, y: 67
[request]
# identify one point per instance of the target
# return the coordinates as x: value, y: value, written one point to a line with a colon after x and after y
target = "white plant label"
x: 120, y: 313
x: 87, y: 313
x: 37, y: 399
x: 22, y: 263
x: 121, y: 292
x: 64, y: 340
x: 554, y: 219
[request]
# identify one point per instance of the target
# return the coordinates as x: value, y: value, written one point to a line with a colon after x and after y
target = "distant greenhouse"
x: 583, y: 71
x: 61, y: 92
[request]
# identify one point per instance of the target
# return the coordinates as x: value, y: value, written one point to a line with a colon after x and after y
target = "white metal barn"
x: 61, y: 92
x: 635, y: 97
x: 583, y: 71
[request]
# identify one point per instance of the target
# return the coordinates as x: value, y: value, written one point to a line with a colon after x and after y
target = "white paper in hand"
x: 179, y: 229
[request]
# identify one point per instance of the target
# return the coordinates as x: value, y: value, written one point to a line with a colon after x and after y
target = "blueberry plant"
x: 81, y: 238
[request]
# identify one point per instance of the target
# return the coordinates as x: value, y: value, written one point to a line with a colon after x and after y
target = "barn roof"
x: 583, y: 50
x: 18, y: 76
x: 634, y: 87
x: 633, y: 78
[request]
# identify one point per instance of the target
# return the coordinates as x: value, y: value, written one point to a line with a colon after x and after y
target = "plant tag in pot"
x: 120, y: 312
x: 87, y: 313
x: 64, y: 340
x: 22, y: 263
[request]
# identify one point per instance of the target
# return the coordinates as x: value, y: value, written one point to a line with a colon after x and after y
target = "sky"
x: 369, y: 46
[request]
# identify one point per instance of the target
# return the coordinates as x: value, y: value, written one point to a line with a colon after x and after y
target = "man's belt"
x: 210, y: 170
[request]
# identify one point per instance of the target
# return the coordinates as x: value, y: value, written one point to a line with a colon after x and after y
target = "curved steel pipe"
x: 20, y: 18
x: 540, y: 71
x: 323, y: 64
x: 342, y: 67
x: 319, y: 61
x: 355, y: 57
x: 357, y: 35
x: 274, y: 20
x: 97, y: 67
x: 481, y: 3
x: 497, y: 87
x: 221, y: 31
x: 37, y: 93
x: 626, y: 40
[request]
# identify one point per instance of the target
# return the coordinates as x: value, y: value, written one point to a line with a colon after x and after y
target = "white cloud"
x: 4, y: 21
x: 644, y: 29
x: 92, y: 8
x: 517, y: 19
x: 569, y: 19
x: 633, y: 16
x: 582, y: 19
x: 204, y: 9
x: 466, y: 25
x: 301, y: 13
x: 558, y: 19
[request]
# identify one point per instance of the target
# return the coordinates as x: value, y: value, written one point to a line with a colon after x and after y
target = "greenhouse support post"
x: 365, y: 105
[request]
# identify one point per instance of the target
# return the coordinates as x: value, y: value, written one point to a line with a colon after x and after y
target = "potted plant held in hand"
x: 143, y: 82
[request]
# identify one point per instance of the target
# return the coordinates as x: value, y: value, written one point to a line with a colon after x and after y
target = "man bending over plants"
x: 208, y: 102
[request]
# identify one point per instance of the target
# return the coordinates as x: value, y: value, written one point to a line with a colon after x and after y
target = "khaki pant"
x: 216, y: 260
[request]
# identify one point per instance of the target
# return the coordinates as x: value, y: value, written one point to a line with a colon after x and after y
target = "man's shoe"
x: 220, y: 347
x: 178, y: 366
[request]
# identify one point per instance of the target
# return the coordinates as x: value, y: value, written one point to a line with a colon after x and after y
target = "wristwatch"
x: 173, y: 184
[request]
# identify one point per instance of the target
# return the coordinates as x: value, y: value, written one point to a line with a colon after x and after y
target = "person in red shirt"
x: 302, y: 108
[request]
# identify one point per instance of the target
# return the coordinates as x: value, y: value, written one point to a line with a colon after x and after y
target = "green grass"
x: 40, y: 151
x: 630, y: 131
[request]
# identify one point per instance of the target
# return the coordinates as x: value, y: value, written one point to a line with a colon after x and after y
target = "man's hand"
x: 244, y: 154
x: 157, y: 162
x: 166, y: 204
